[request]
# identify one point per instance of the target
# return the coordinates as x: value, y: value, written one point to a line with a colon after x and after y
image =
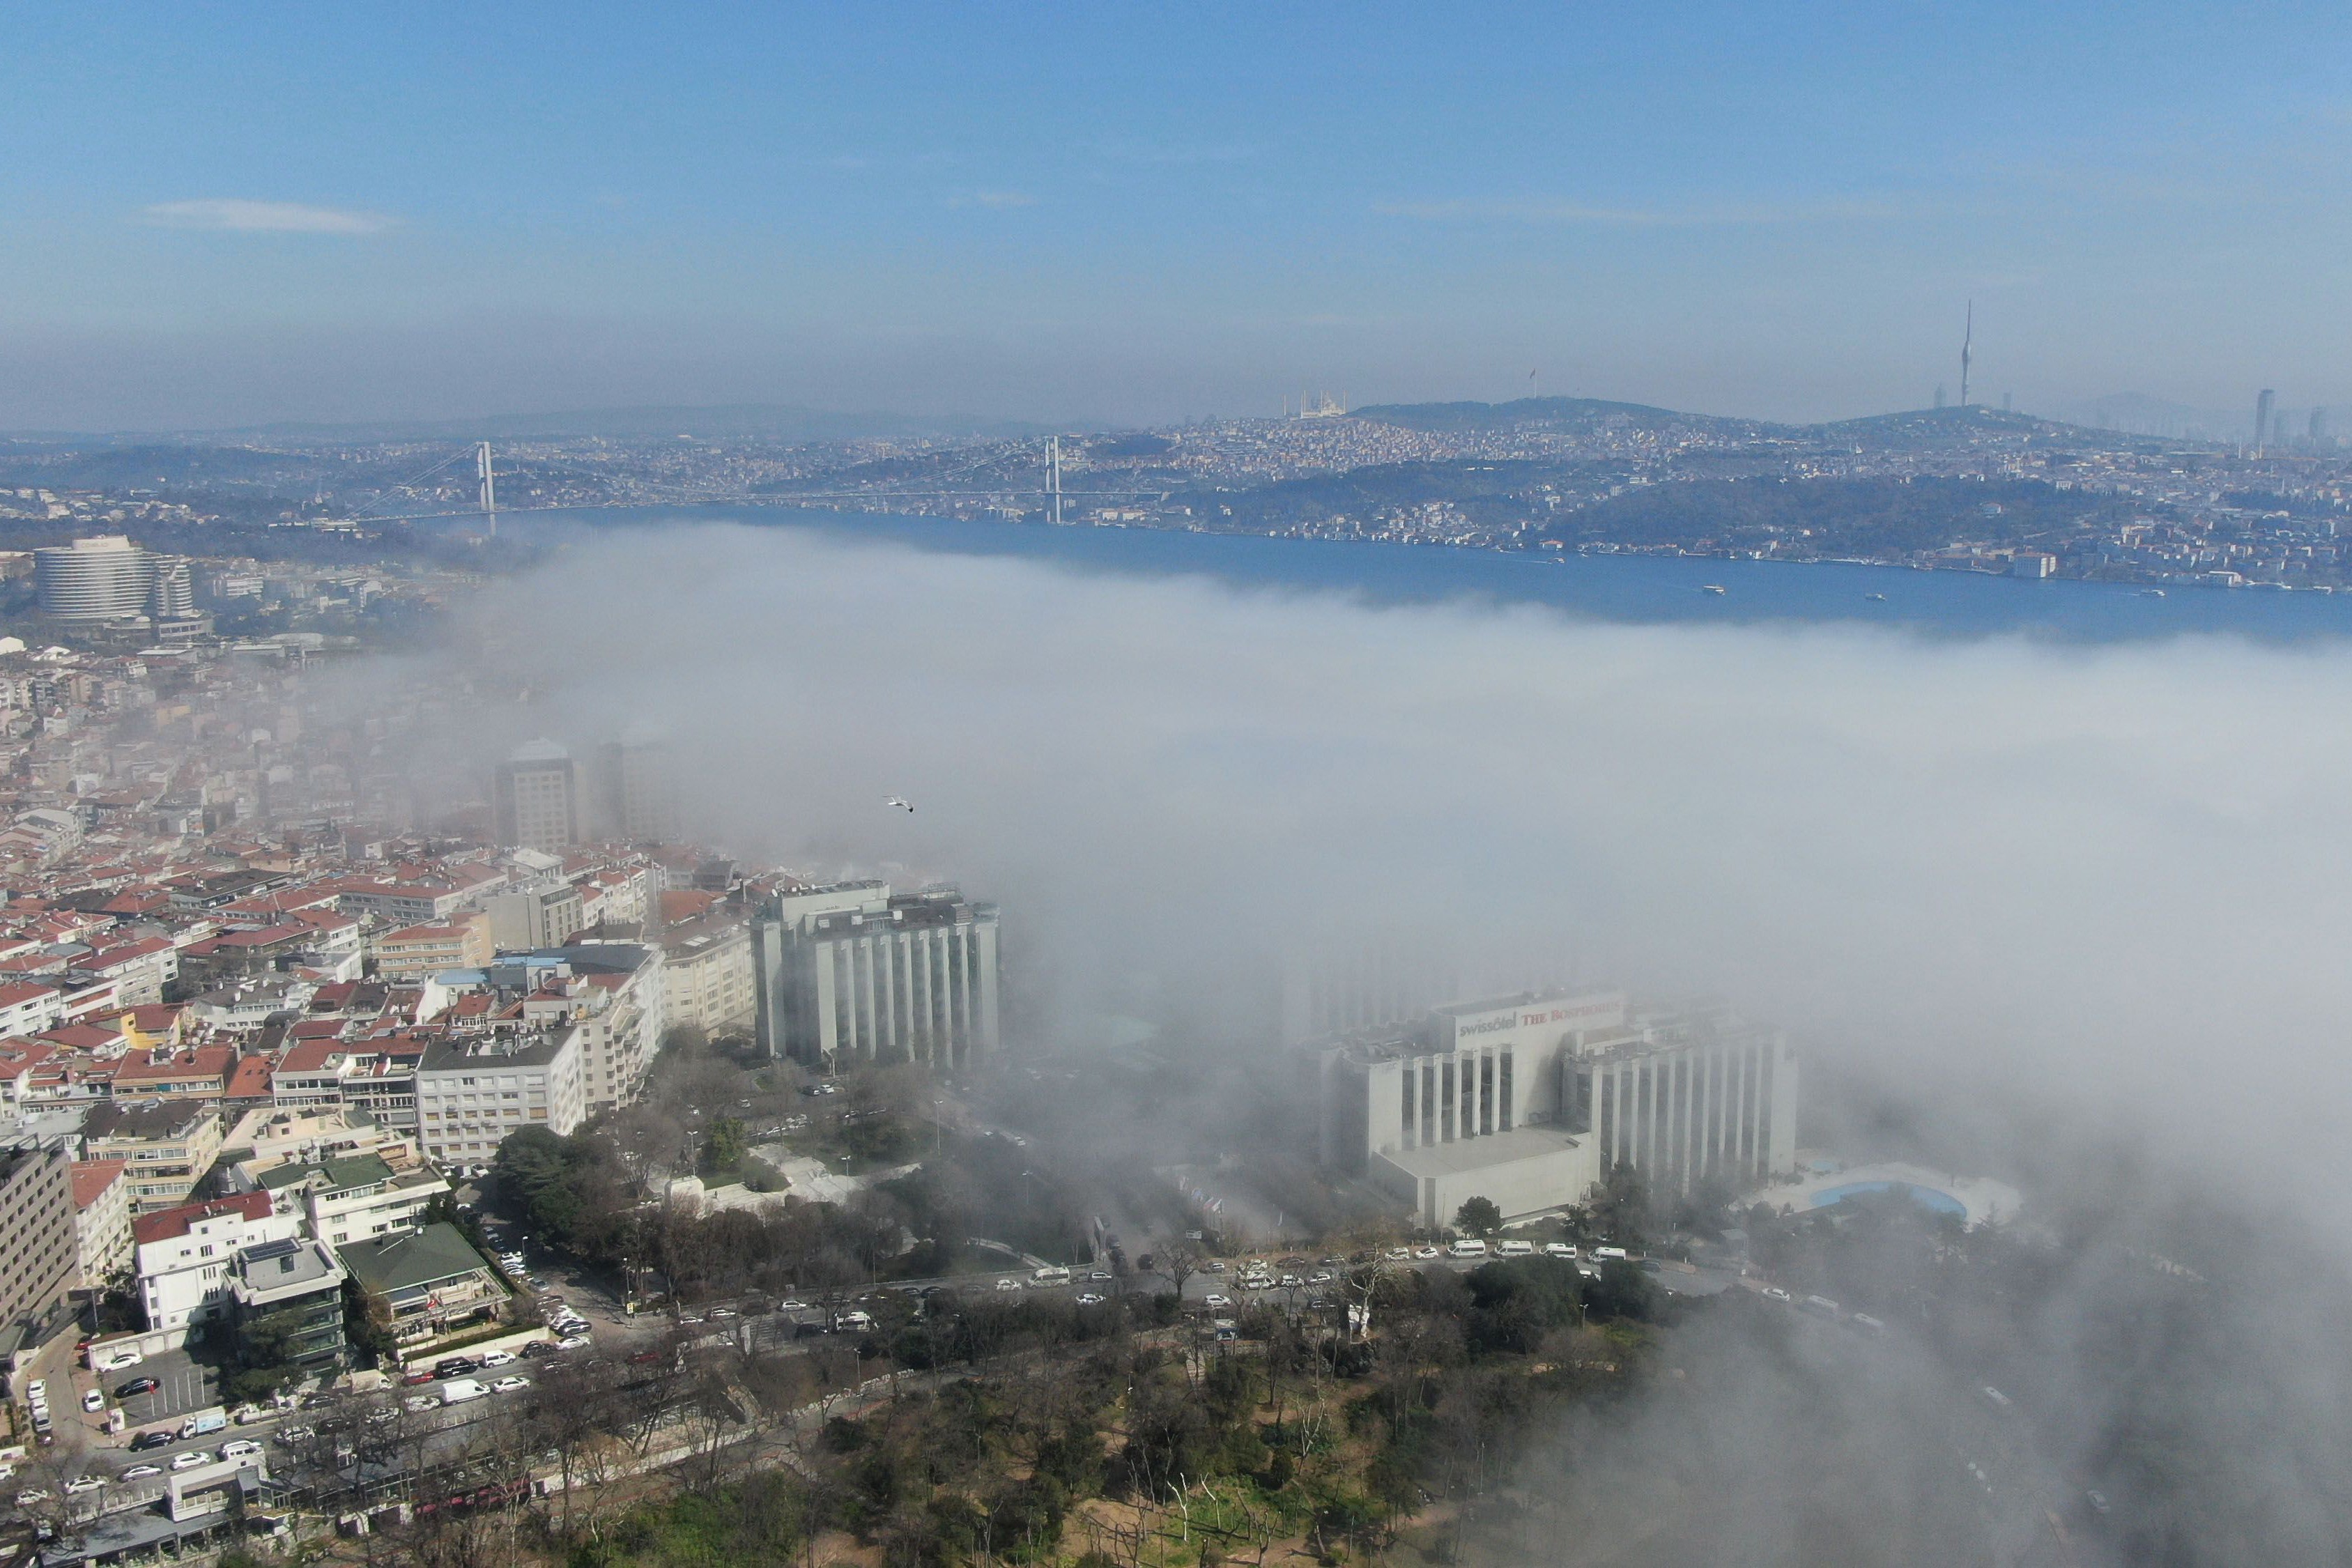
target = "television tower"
x: 1968, y: 341
x: 490, y: 479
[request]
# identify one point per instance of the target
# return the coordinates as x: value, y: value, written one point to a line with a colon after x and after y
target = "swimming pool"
x: 1925, y: 1197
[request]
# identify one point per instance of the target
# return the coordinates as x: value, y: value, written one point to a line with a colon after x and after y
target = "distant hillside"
x: 1947, y: 428
x: 1563, y: 414
x: 149, y: 466
x: 1880, y: 518
x: 1905, y: 427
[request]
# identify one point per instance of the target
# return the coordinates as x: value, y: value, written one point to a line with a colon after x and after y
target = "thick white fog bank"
x: 2112, y: 880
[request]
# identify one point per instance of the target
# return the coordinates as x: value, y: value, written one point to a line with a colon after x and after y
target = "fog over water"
x: 2073, y: 916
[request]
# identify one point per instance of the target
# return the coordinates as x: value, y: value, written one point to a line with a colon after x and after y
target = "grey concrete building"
x: 1528, y: 1101
x: 40, y: 1253
x: 853, y: 971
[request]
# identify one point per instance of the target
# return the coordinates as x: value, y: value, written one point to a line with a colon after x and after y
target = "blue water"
x: 1925, y: 1197
x: 1630, y: 588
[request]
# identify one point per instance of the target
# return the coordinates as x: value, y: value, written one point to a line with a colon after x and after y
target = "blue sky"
x: 214, y: 214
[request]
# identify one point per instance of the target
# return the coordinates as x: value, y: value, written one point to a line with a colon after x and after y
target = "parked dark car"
x: 146, y: 1440
x: 135, y: 1387
x: 456, y: 1366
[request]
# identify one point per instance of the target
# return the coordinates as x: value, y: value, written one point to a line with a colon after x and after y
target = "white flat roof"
x: 1477, y: 1154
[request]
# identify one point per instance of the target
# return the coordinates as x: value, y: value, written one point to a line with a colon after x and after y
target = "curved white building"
x: 93, y: 579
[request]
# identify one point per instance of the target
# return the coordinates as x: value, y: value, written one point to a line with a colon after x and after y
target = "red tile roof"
x: 165, y: 1224
x: 91, y: 1177
x: 251, y: 1079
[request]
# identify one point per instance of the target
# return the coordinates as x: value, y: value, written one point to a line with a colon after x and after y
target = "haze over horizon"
x: 1105, y: 218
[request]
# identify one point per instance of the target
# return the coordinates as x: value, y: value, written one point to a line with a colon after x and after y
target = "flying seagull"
x: 900, y: 801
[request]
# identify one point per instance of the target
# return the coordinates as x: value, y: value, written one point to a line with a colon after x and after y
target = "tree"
x: 724, y: 1148
x: 1619, y: 1205
x: 1622, y: 1291
x: 1176, y: 1257
x: 1478, y: 1217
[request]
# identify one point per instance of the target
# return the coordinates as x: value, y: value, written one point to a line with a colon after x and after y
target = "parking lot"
x: 184, y: 1387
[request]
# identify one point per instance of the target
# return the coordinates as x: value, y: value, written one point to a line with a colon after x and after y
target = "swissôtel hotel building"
x: 1528, y: 1101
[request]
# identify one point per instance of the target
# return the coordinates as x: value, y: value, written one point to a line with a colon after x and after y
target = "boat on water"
x: 1713, y: 588
x: 1875, y: 598
x: 2151, y: 592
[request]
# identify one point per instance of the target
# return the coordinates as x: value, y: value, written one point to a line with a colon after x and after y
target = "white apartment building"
x: 401, y: 903
x: 101, y: 1200
x: 183, y: 1255
x: 706, y: 974
x: 852, y: 971
x: 28, y: 1009
x: 542, y: 916
x: 611, y: 993
x: 354, y: 1197
x: 470, y: 1097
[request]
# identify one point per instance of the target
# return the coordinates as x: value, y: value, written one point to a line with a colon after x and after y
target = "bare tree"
x: 1176, y: 1257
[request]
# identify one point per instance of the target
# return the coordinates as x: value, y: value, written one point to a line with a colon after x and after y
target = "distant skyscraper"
x: 637, y: 801
x: 2264, y: 406
x: 2004, y: 402
x: 174, y: 593
x: 2319, y: 426
x: 1939, y: 395
x: 93, y: 579
x: 536, y: 795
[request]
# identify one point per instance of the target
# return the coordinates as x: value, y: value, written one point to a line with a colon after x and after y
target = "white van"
x: 1468, y: 1246
x: 1052, y: 1274
x: 458, y: 1390
x: 1516, y: 1248
x: 1560, y: 1249
x: 1609, y: 1254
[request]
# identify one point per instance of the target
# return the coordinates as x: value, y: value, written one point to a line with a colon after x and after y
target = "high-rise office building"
x: 1335, y: 983
x: 95, y: 579
x: 173, y: 593
x: 42, y: 1259
x: 2264, y: 406
x: 636, y: 800
x: 536, y: 795
x: 851, y: 971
